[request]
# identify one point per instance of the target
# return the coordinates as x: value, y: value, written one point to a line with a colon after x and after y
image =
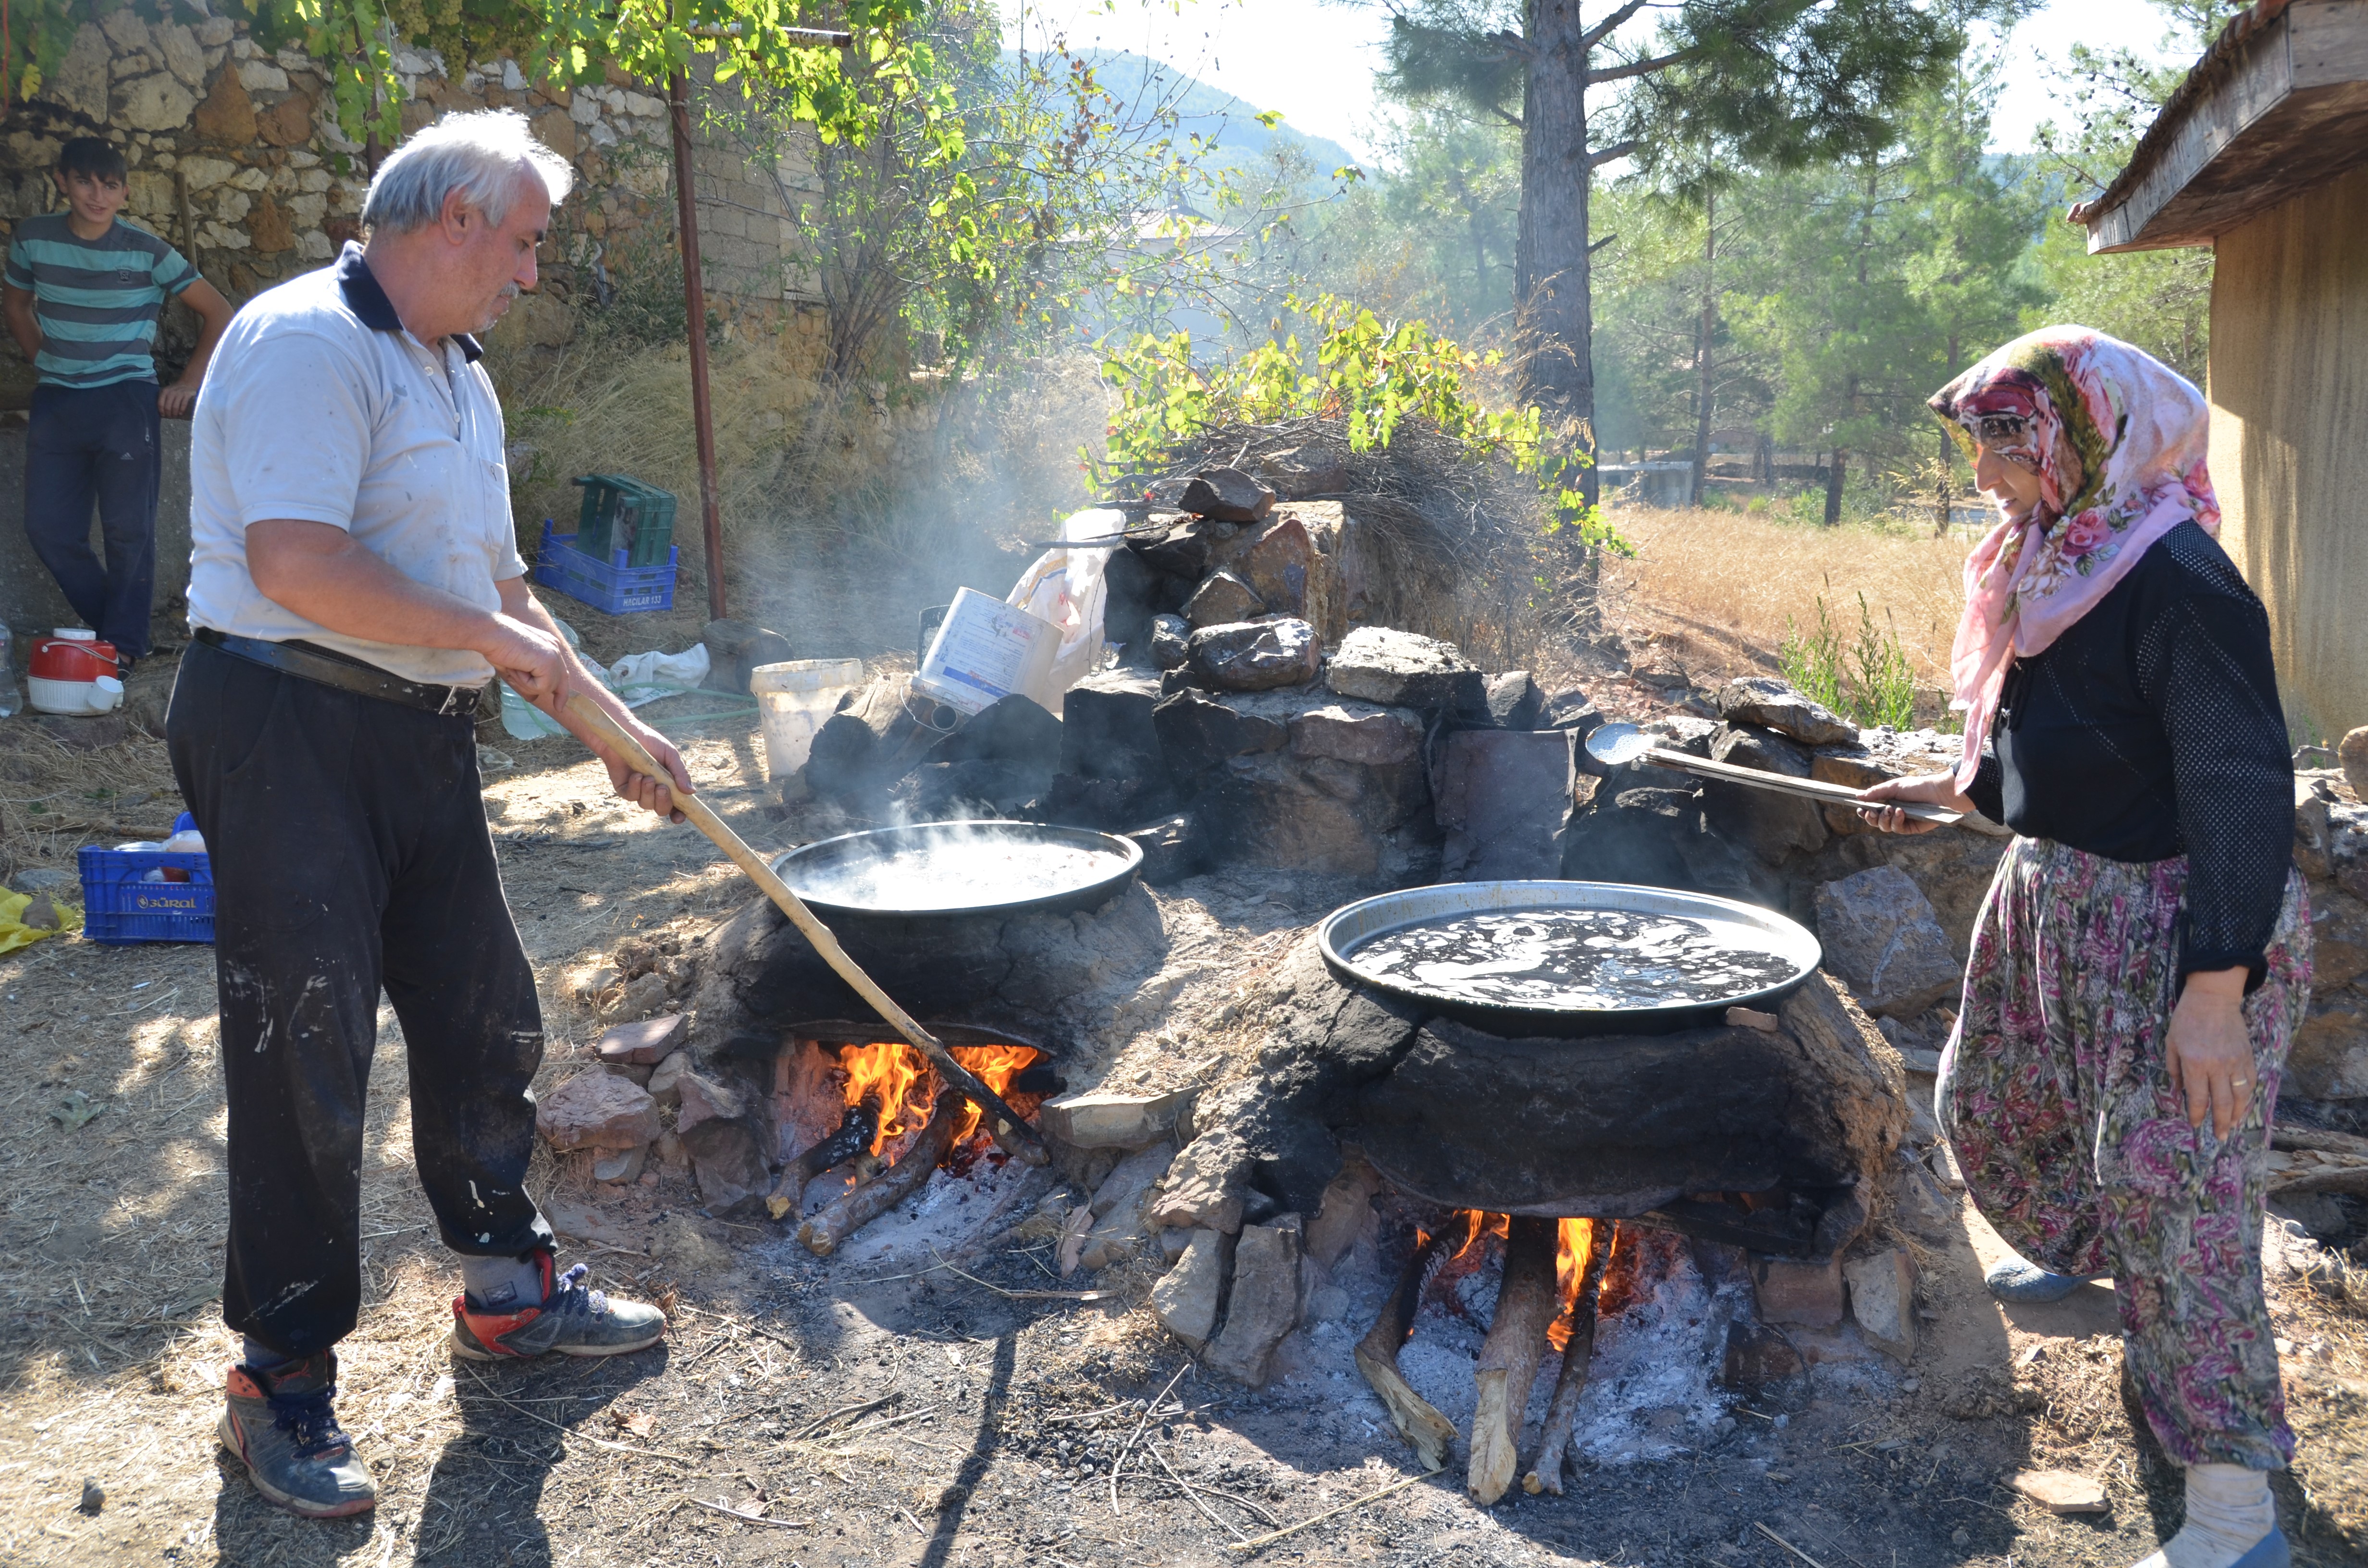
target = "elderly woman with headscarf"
x: 2143, y: 956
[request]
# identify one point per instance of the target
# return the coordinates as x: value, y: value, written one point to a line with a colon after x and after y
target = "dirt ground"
x: 848, y: 1413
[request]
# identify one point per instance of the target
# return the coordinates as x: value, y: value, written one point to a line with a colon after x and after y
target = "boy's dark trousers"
x: 88, y: 444
x: 348, y: 841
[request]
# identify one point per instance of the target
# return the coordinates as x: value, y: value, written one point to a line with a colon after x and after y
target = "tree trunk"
x: 1707, y: 325
x: 1834, y: 474
x: 1550, y: 266
x: 1940, y: 528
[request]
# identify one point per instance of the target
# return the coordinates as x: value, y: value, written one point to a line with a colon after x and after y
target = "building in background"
x: 2262, y: 156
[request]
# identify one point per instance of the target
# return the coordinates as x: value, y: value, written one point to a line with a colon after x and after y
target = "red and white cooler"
x: 73, y: 672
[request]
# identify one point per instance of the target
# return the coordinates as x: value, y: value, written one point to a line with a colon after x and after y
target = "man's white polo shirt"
x: 319, y: 406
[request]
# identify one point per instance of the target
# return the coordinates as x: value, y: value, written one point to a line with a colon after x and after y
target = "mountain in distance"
x: 1242, y: 143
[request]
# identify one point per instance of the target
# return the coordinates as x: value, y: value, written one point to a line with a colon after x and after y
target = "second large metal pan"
x: 944, y: 869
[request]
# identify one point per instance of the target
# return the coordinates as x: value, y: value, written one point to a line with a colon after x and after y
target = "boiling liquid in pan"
x: 1576, y: 958
x: 956, y: 874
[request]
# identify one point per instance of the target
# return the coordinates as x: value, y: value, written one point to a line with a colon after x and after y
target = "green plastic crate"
x: 621, y: 513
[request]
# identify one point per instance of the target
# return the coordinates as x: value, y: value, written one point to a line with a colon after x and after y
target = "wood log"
x: 856, y: 1131
x: 1423, y: 1428
x: 851, y: 1211
x: 1526, y: 1304
x: 1562, y: 1416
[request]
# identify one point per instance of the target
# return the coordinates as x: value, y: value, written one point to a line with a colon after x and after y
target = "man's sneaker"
x: 279, y: 1422
x: 574, y: 1320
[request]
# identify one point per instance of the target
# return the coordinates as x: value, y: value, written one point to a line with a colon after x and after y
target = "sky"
x: 1314, y: 60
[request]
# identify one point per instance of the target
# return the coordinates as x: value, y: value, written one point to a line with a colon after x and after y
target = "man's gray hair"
x: 481, y: 153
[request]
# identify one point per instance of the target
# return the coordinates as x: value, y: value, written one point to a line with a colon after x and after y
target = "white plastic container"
x: 986, y: 650
x: 792, y: 701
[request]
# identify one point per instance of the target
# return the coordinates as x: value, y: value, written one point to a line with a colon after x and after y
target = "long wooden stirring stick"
x: 1003, y: 1124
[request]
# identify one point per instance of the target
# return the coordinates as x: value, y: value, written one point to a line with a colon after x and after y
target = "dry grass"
x: 56, y: 800
x: 1740, y: 576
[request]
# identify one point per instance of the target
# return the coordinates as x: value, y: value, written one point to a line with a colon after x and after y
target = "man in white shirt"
x: 355, y: 579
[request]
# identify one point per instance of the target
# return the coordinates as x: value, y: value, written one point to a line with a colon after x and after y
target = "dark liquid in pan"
x: 1576, y: 958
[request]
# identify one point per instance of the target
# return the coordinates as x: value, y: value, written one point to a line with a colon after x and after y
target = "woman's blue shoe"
x: 2269, y: 1552
x: 2020, y: 1281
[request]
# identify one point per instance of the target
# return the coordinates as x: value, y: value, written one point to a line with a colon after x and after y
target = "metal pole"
x: 694, y: 301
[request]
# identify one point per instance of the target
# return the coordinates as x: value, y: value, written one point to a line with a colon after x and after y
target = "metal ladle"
x: 1618, y: 745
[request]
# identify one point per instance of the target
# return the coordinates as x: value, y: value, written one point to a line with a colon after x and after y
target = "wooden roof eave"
x: 2279, y: 105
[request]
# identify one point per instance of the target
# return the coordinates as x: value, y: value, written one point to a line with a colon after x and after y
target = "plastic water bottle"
x: 11, y: 698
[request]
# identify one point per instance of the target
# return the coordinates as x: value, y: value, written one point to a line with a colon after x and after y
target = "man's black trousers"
x: 349, y: 852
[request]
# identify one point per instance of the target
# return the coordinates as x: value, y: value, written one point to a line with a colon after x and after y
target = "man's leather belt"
x: 309, y: 663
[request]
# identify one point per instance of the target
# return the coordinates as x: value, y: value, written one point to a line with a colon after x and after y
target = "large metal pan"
x: 1348, y: 929
x: 944, y: 869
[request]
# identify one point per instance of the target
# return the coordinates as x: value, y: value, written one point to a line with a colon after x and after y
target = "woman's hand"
x: 2209, y: 1054
x: 1929, y: 789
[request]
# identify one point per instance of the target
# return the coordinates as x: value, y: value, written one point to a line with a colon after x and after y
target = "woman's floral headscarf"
x: 2117, y: 439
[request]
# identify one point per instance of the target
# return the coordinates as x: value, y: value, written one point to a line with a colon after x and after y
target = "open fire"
x: 899, y: 1123
x: 1550, y: 1297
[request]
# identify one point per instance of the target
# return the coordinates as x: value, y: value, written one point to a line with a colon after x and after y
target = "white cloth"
x: 308, y: 414
x: 2229, y: 1512
x: 1066, y: 587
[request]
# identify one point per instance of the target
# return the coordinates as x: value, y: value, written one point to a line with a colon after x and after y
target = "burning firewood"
x: 1554, y: 1441
x: 851, y: 1211
x: 856, y: 1131
x: 1527, y: 1305
x: 1423, y: 1428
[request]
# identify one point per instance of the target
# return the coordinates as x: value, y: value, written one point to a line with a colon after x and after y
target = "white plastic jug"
x: 1066, y: 588
x: 793, y: 698
x: 986, y: 650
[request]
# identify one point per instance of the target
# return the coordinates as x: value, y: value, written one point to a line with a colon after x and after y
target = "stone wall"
x: 236, y: 158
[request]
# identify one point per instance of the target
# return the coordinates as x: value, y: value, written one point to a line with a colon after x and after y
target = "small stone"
x: 1221, y: 599
x: 2352, y: 755
x: 620, y: 1166
x: 1201, y: 1192
x: 596, y: 1110
x: 670, y: 1149
x: 1227, y: 494
x: 1113, y: 1121
x: 1770, y: 702
x: 1189, y: 1297
x: 597, y: 981
x: 94, y: 1496
x: 1367, y: 739
x: 1514, y: 701
x: 1960, y: 1537
x: 1881, y: 934
x: 1882, y: 1299
x: 666, y: 1082
x: 1801, y: 1291
x: 644, y: 1044
x: 705, y: 1098
x: 42, y: 879
x: 1171, y: 640
x: 1751, y: 1018
x: 41, y: 914
x: 1264, y: 1304
x: 1258, y: 655
x: 1402, y: 669
x: 2060, y: 1491
x: 644, y: 994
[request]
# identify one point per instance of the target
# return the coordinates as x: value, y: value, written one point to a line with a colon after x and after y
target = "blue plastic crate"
x: 119, y: 906
x: 610, y: 585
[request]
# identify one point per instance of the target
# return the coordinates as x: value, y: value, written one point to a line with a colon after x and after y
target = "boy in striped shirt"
x: 81, y: 294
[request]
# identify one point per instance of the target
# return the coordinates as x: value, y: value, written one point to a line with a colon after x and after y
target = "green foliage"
x: 1371, y: 375
x: 1866, y: 679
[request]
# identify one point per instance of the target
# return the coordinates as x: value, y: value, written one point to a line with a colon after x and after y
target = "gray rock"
x: 1401, y: 670
x: 706, y: 1098
x: 1221, y: 599
x: 1182, y: 554
x: 1132, y: 1177
x: 1265, y: 1303
x: 155, y: 103
x: 1197, y: 732
x: 1773, y: 704
x: 1259, y: 656
x: 642, y: 1044
x: 1505, y: 800
x: 1189, y: 1297
x: 1114, y: 1121
x: 2352, y: 753
x: 596, y: 1110
x: 1226, y: 494
x: 665, y: 1082
x: 1773, y: 826
x: 625, y: 1164
x: 1171, y: 641
x: 1882, y: 1299
x: 1881, y: 934
x: 1571, y: 710
x: 1515, y: 702
x: 1368, y: 739
x: 1106, y: 728
x: 43, y: 878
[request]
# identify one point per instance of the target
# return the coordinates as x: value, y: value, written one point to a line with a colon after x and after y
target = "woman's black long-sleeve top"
x: 2151, y: 728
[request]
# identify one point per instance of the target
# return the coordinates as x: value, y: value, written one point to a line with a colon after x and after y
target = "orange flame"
x: 1574, y: 1240
x: 900, y: 1081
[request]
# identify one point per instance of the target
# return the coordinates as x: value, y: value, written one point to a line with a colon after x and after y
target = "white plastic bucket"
x: 792, y: 701
x: 986, y: 650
